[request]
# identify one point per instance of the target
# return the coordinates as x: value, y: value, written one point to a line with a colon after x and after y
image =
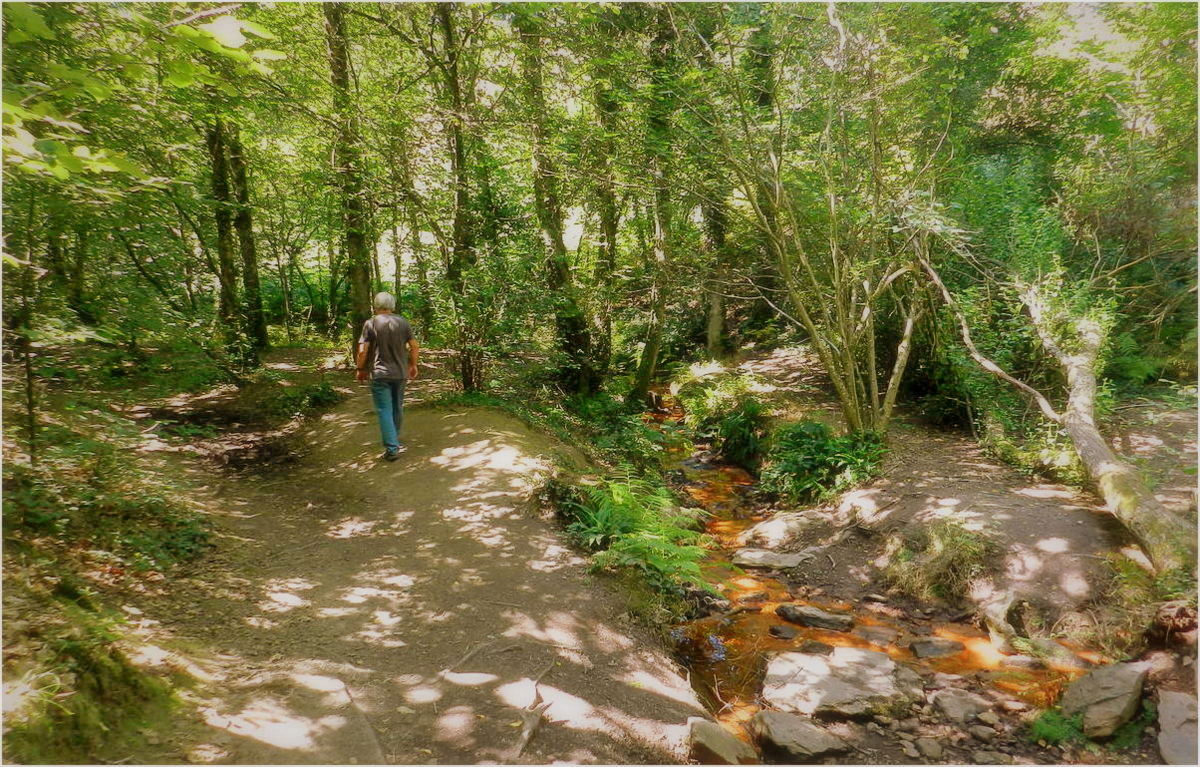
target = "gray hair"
x: 385, y: 301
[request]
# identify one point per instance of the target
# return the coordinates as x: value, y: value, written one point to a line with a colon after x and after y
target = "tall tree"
x: 574, y: 338
x: 243, y: 223
x: 347, y: 157
x: 659, y: 153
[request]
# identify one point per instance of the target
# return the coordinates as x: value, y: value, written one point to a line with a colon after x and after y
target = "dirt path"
x: 364, y: 612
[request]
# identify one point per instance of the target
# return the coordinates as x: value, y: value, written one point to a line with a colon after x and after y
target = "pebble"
x: 986, y: 734
x: 988, y: 717
x: 884, y: 720
x: 909, y: 725
x: 929, y: 748
x: 990, y: 757
x: 906, y: 736
x: 784, y: 632
x: 1013, y: 706
x: 910, y: 750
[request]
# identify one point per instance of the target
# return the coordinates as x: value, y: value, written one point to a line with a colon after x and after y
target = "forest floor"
x: 357, y: 611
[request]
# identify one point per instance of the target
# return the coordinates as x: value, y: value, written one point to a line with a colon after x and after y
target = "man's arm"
x: 360, y: 361
x: 413, y: 354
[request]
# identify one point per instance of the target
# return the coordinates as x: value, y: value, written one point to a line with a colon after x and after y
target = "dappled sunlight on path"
x: 408, y: 612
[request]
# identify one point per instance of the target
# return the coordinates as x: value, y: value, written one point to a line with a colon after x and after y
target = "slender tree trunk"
x: 462, y: 245
x: 610, y: 217
x: 575, y: 342
x: 243, y: 224
x: 227, y: 303
x: 716, y: 224
x: 348, y: 159
x: 659, y: 138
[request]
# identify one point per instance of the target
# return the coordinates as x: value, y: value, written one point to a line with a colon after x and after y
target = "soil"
x: 357, y: 611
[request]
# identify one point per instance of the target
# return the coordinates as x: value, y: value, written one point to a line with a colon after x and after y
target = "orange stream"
x: 727, y: 654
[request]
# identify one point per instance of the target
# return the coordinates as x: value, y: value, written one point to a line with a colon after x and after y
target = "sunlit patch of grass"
x: 939, y: 560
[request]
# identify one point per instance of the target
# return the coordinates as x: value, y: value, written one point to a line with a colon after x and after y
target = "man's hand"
x: 362, y: 375
x: 412, y: 371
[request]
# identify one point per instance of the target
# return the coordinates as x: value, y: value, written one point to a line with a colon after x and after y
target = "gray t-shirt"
x: 387, y: 356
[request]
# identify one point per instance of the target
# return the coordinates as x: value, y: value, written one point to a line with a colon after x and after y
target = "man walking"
x: 382, y: 359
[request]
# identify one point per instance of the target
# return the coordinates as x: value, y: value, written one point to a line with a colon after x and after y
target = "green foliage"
x: 82, y: 490
x: 724, y: 410
x: 82, y: 697
x: 632, y: 521
x: 1130, y: 734
x: 297, y: 400
x: 1053, y: 727
x: 939, y: 559
x: 807, y: 463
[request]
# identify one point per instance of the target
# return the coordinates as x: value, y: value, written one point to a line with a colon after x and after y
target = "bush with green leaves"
x: 633, y: 521
x: 724, y: 410
x: 299, y: 399
x: 806, y: 462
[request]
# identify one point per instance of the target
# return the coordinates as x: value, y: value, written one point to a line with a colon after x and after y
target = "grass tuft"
x: 939, y: 560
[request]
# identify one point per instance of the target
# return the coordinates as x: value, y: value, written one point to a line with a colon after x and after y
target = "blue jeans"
x: 388, y: 396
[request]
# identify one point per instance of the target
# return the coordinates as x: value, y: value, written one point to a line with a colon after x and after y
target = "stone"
x: 959, y: 705
x: 988, y: 717
x: 929, y: 748
x: 710, y: 743
x: 874, y: 598
x: 880, y: 635
x: 1177, y: 727
x: 907, y: 736
x: 1014, y: 706
x: 935, y: 647
x: 765, y: 558
x: 815, y: 617
x: 911, y: 724
x: 813, y: 647
x: 980, y: 732
x: 776, y: 531
x: 942, y: 679
x: 794, y: 737
x: 1058, y: 655
x: 1021, y: 661
x: 849, y: 682
x: 886, y: 721
x: 990, y: 757
x: 753, y: 596
x: 785, y: 632
x: 910, y: 750
x: 1108, y: 697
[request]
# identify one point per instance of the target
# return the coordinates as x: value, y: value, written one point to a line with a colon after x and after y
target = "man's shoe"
x: 390, y: 456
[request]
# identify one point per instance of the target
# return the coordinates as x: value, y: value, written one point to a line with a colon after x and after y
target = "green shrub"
x: 723, y: 410
x: 82, y: 490
x: 939, y: 560
x: 806, y: 462
x: 632, y: 521
x: 1052, y: 726
x: 300, y: 399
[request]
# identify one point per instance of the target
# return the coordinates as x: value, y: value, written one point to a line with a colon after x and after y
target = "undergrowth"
x: 722, y: 409
x: 83, y: 491
x: 1053, y: 727
x: 71, y: 693
x: 938, y: 560
x: 807, y: 463
x: 633, y: 521
x: 297, y: 400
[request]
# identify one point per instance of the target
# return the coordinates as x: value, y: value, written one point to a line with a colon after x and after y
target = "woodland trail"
x: 364, y: 612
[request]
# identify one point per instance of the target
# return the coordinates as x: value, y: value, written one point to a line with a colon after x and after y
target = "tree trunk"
x: 243, y: 223
x: 610, y: 217
x: 222, y: 205
x: 659, y: 145
x: 716, y: 224
x: 462, y: 246
x: 347, y: 158
x: 574, y: 340
x: 1168, y: 539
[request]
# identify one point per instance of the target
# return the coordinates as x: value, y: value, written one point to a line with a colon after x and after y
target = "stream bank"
x: 732, y: 655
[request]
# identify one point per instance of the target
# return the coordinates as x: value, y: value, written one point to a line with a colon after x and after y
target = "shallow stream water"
x: 727, y: 653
